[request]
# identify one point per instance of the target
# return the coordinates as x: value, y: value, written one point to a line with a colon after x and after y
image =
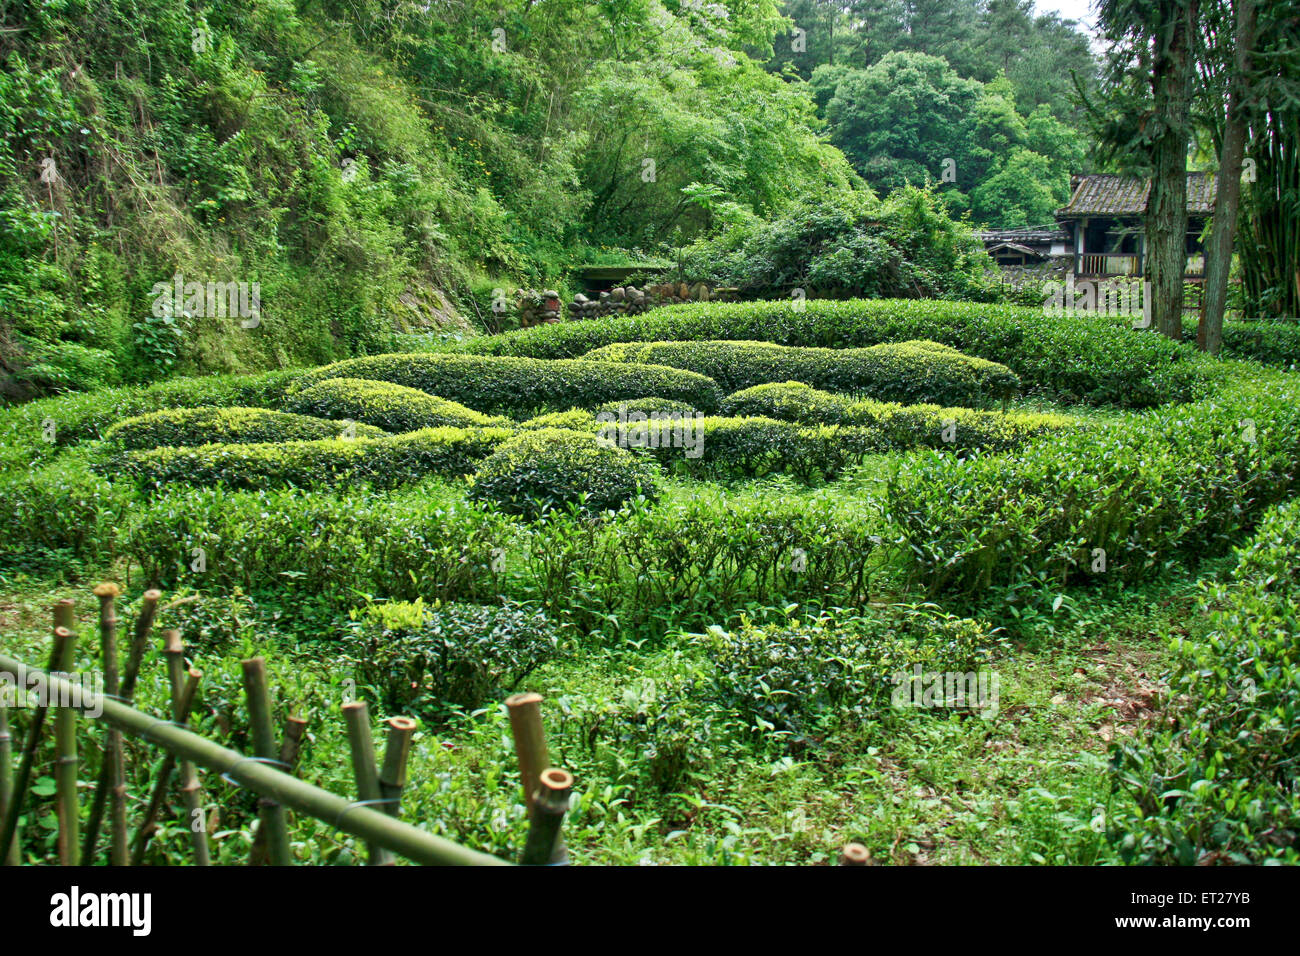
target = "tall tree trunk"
x: 1166, y: 221
x: 1218, y: 254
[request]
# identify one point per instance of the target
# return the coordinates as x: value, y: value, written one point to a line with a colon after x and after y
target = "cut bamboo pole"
x: 854, y: 854
x: 392, y: 776
x: 108, y: 593
x: 65, y: 767
x: 357, y: 716
x: 259, y: 716
x: 290, y: 743
x: 184, y: 691
x: 8, y: 831
x: 365, y: 823
x: 6, y: 782
x: 530, y: 741
x: 139, y: 644
x: 545, y: 843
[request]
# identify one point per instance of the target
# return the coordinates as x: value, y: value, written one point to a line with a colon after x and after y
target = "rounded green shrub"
x: 394, y: 408
x: 384, y: 462
x: 550, y: 469
x: 174, y: 427
x: 646, y: 405
x: 897, y: 426
x: 911, y: 372
x: 523, y: 385
x: 738, y: 447
x: 434, y: 661
x: 575, y: 419
x: 1098, y: 359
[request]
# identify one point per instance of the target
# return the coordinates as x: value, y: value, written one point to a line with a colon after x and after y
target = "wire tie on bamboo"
x: 378, y: 801
x: 280, y: 764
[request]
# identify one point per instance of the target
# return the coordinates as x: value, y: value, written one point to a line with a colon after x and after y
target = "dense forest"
x: 374, y: 169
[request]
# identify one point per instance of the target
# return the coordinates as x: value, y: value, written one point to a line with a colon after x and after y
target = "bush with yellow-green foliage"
x: 701, y: 446
x: 524, y: 385
x: 574, y: 419
x: 209, y: 426
x: 550, y: 469
x: 383, y: 462
x: 394, y: 408
x: 898, y: 427
x: 909, y: 372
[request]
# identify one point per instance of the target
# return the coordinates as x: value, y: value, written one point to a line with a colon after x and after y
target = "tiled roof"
x: 1106, y: 195
x: 1050, y: 233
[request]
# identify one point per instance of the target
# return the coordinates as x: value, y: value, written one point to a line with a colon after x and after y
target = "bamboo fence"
x: 374, y: 817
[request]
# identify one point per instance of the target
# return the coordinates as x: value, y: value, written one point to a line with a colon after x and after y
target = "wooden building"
x: 1105, y: 222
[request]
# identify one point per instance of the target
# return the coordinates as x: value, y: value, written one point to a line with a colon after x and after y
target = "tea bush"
x: 1135, y: 496
x: 1075, y: 358
x: 393, y: 408
x: 742, y: 447
x: 423, y: 542
x: 575, y: 419
x: 176, y: 427
x: 385, y: 462
x: 919, y: 371
x: 1221, y: 784
x: 542, y: 470
x: 703, y: 557
x: 802, y: 678
x: 59, y: 510
x: 432, y: 661
x: 645, y: 405
x: 79, y: 416
x: 1262, y: 340
x: 523, y: 385
x: 897, y: 426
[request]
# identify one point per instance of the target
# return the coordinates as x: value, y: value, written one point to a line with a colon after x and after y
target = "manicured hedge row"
x: 208, y: 426
x: 1270, y: 342
x: 1138, y: 494
x: 1094, y: 359
x: 426, y: 543
x: 744, y: 447
x: 59, y: 510
x: 1224, y: 785
x: 575, y: 419
x: 690, y: 561
x: 899, y: 426
x: 80, y: 416
x: 908, y: 372
x: 542, y: 470
x: 493, y: 384
x: 384, y: 462
x: 393, y: 408
x: 646, y: 405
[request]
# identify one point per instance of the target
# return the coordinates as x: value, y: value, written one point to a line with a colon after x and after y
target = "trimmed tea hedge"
x: 1137, y: 494
x: 428, y: 542
x: 575, y: 419
x: 39, y: 430
x: 742, y: 447
x: 909, y: 372
x: 1259, y: 340
x: 523, y: 385
x: 394, y: 408
x: 59, y: 510
x: 385, y: 462
x: 210, y: 426
x: 540, y: 471
x: 646, y: 405
x: 1084, y: 358
x: 899, y: 426
x: 1224, y: 785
